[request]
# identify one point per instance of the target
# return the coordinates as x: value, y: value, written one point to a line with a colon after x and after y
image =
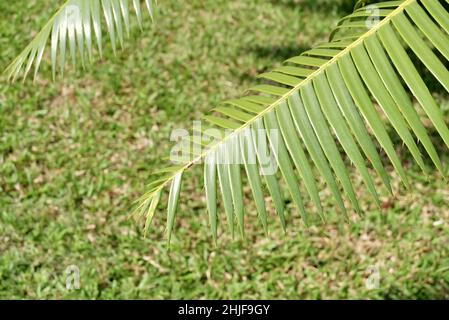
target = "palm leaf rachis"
x: 326, y: 98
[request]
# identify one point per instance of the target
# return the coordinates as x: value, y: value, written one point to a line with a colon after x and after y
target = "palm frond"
x: 320, y: 101
x: 75, y: 29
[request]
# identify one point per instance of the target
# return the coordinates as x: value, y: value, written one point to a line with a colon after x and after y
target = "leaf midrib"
x: 269, y: 108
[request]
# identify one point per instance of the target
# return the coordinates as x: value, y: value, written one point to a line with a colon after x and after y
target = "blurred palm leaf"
x: 318, y: 101
x: 77, y: 27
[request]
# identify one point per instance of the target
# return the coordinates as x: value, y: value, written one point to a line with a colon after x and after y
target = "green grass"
x: 74, y: 154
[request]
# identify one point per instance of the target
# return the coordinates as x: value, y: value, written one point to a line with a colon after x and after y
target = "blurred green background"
x: 75, y: 154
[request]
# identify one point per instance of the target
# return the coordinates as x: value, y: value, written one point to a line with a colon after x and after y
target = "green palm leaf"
x: 323, y: 99
x: 332, y: 96
x: 74, y: 30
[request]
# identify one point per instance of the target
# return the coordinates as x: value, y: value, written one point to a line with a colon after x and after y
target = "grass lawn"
x: 75, y: 154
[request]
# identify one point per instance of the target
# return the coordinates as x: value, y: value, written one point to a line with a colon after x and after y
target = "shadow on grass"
x: 278, y: 53
x: 340, y: 6
x: 430, y: 292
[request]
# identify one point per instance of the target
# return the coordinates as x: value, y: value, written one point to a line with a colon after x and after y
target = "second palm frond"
x: 75, y: 29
